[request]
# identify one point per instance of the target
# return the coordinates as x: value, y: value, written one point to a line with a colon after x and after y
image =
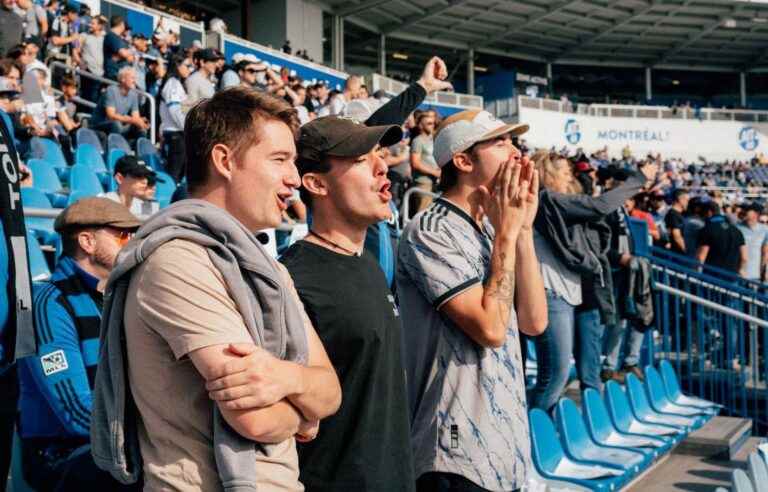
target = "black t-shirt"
x: 724, y: 240
x: 366, y: 445
x: 674, y: 220
x: 112, y: 63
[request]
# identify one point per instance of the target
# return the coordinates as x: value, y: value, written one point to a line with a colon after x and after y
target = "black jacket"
x: 575, y: 228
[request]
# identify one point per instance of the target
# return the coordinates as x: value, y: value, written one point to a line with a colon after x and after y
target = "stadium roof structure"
x: 720, y: 35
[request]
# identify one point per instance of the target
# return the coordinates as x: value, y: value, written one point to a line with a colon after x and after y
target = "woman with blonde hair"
x: 571, y: 243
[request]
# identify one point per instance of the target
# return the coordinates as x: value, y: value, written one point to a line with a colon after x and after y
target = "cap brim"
x: 513, y: 129
x: 363, y: 140
x: 125, y: 224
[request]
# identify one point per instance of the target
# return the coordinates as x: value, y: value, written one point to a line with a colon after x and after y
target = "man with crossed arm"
x: 458, y: 262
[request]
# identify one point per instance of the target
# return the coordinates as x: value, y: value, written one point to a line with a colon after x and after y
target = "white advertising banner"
x: 686, y: 139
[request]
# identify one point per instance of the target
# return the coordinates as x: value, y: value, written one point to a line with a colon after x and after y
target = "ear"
x: 463, y: 163
x: 315, y: 184
x: 119, y: 178
x: 87, y: 241
x: 221, y: 156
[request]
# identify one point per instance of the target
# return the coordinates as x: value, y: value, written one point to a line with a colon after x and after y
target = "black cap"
x: 139, y: 35
x: 210, y: 54
x: 757, y: 207
x: 128, y: 165
x: 341, y: 137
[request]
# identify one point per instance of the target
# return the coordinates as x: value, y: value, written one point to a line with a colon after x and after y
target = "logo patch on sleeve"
x: 54, y: 362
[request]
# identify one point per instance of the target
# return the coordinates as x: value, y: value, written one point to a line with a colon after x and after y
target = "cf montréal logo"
x: 748, y: 138
x: 572, y: 131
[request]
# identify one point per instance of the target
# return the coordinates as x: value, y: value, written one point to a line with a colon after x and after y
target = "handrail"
x: 405, y: 207
x: 711, y: 305
x: 87, y: 74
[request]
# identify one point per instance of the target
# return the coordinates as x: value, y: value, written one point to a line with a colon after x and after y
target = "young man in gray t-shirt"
x: 462, y: 309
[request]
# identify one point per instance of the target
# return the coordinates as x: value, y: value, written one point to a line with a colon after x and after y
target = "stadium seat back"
x: 669, y: 376
x: 145, y: 147
x: 32, y: 197
x: 741, y: 482
x: 637, y: 397
x: 44, y: 176
x: 655, y: 387
x: 116, y: 141
x: 112, y: 157
x: 618, y: 406
x: 89, y: 137
x: 38, y: 267
x: 547, y: 450
x: 48, y: 150
x: 82, y: 178
x: 571, y: 425
x: 758, y: 472
x: 90, y: 156
x: 75, y: 196
x: 165, y: 187
x: 595, y: 414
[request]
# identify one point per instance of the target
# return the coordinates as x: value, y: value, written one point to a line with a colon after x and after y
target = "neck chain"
x: 335, y: 245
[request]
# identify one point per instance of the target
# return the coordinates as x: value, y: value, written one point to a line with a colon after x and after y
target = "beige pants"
x: 422, y: 201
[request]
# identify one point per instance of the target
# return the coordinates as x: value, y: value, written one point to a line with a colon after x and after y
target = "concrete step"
x: 720, y: 438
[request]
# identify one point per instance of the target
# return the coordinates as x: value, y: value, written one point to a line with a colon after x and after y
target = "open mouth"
x: 384, y: 192
x: 284, y: 200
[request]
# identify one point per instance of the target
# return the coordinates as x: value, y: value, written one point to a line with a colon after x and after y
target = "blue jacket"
x: 57, y: 382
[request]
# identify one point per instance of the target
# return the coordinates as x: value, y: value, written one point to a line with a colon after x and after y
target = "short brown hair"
x: 231, y: 117
x: 449, y: 174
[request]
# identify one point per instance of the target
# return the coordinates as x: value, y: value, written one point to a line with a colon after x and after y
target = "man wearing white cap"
x: 461, y: 306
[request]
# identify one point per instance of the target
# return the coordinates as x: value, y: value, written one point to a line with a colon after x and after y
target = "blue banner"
x: 306, y: 71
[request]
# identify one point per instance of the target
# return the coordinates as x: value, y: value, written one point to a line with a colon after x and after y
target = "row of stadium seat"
x: 755, y: 479
x: 618, y: 436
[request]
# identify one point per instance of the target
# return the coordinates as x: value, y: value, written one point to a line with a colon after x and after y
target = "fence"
x: 711, y: 325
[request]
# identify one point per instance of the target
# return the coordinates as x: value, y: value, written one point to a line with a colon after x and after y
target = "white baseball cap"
x: 461, y: 131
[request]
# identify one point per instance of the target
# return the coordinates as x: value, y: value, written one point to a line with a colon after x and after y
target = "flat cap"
x: 98, y: 212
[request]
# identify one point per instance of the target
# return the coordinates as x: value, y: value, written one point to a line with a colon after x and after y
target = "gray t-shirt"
x: 468, y: 407
x: 558, y: 278
x: 424, y: 145
x: 199, y: 87
x: 755, y: 238
x: 93, y: 53
x: 31, y: 20
x: 113, y: 97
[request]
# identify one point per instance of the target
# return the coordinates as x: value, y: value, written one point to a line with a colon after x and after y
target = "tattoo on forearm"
x: 502, y: 286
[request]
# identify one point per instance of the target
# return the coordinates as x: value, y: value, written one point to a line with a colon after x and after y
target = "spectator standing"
x: 694, y: 223
x: 118, y: 108
x: 350, y: 93
x: 721, y: 244
x: 675, y: 222
x: 200, y: 84
x: 117, y: 53
x: 57, y: 382
x: 92, y: 57
x: 139, y: 63
x: 756, y: 240
x: 173, y: 110
x: 425, y: 170
x: 64, y: 38
x: 188, y: 318
x: 11, y: 27
x: 35, y: 24
x: 462, y: 309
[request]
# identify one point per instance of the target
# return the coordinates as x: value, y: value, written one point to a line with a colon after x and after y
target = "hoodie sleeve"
x: 396, y: 111
x: 582, y: 208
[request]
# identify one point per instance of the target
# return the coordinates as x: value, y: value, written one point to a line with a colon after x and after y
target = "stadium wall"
x: 686, y: 139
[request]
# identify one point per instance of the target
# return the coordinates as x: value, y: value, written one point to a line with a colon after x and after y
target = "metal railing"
x: 405, y: 208
x: 712, y: 328
x: 103, y: 80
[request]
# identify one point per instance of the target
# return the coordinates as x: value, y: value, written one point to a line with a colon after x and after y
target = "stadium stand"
x: 705, y: 356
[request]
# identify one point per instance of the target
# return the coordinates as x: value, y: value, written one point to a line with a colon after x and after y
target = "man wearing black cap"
x: 57, y: 382
x: 366, y: 445
x: 63, y: 35
x: 200, y: 84
x: 132, y: 177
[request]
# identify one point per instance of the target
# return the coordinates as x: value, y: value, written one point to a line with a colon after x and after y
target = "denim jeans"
x: 619, y: 335
x: 553, y: 354
x: 588, y: 348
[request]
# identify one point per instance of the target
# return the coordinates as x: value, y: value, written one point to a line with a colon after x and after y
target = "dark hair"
x: 678, y: 193
x: 305, y: 166
x: 449, y: 174
x: 68, y: 80
x: 231, y: 117
x: 116, y: 20
x: 6, y: 65
x: 173, y: 71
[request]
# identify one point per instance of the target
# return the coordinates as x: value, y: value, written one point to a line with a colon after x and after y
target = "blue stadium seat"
x: 625, y: 421
x: 165, y: 188
x: 602, y: 431
x: 660, y: 402
x: 638, y: 401
x: 552, y: 463
x: 117, y: 141
x: 578, y: 445
x: 83, y: 179
x: 758, y: 472
x: 147, y: 152
x: 38, y: 267
x: 46, y: 180
x: 90, y: 156
x: 675, y: 394
x: 89, y: 137
x: 112, y: 157
x: 9, y: 124
x: 75, y: 196
x: 49, y: 151
x: 41, y: 227
x: 740, y: 481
